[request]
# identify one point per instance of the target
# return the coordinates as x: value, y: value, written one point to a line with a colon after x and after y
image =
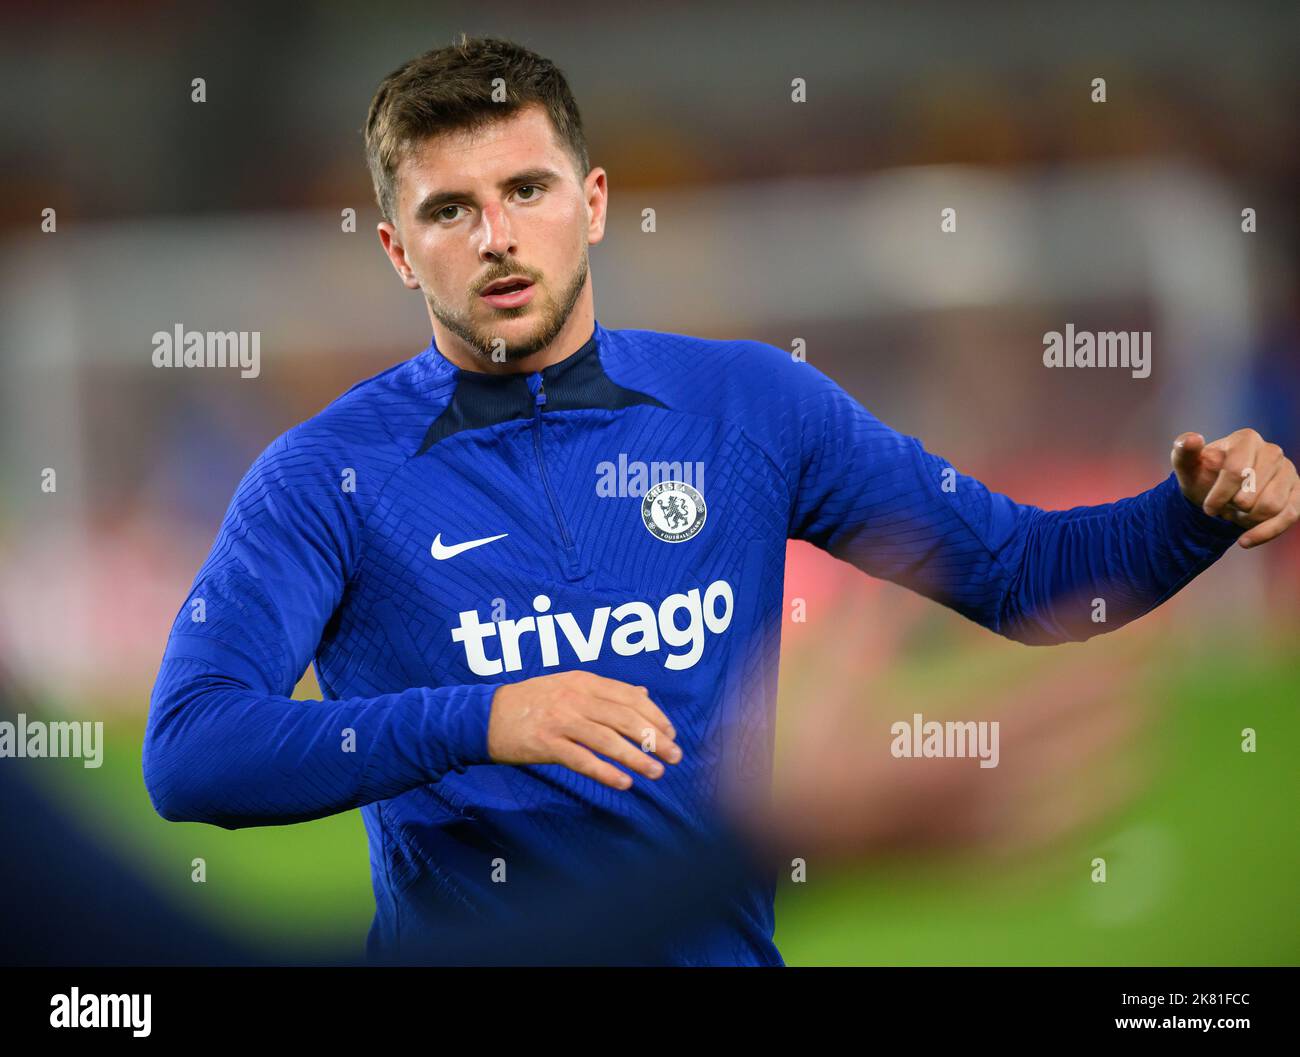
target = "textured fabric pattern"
x: 325, y: 556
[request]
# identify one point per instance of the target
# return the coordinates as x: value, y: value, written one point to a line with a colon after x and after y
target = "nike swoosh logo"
x: 442, y: 552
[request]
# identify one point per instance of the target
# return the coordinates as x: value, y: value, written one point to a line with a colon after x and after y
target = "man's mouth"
x: 508, y: 293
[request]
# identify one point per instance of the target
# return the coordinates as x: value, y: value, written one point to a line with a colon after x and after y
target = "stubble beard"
x: 485, y: 342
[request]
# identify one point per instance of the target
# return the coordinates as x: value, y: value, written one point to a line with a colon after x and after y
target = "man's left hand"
x: 1241, y: 478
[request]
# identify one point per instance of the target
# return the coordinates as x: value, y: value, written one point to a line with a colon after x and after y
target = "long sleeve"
x: 225, y: 742
x: 877, y: 498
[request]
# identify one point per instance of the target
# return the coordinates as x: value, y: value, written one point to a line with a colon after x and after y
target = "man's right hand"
x: 568, y: 717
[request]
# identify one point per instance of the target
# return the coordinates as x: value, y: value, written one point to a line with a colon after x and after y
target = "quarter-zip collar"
x: 443, y: 365
x: 481, y: 399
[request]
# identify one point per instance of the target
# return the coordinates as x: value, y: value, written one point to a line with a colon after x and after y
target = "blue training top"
x: 626, y: 511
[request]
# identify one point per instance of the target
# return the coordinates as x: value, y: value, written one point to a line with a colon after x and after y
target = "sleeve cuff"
x: 458, y: 725
x: 1189, y: 519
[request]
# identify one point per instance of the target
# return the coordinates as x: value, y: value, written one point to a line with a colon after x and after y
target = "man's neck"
x: 573, y: 335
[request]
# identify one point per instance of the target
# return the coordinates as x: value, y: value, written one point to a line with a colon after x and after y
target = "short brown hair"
x: 450, y: 89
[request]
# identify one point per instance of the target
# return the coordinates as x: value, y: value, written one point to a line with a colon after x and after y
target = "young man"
x: 542, y: 559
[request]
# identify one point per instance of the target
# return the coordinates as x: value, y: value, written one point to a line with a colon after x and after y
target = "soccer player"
x: 538, y: 566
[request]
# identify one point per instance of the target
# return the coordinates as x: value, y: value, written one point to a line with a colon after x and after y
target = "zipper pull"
x: 541, y: 393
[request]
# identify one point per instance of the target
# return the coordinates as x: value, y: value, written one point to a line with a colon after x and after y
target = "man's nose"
x: 496, y: 238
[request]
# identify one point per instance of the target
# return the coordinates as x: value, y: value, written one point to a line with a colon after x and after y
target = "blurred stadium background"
x: 777, y: 221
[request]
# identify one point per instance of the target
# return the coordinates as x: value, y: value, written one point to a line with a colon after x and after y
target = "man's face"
x: 477, y: 208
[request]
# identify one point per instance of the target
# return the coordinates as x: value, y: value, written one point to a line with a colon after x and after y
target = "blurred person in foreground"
x: 838, y: 795
x: 539, y: 565
x: 1071, y: 755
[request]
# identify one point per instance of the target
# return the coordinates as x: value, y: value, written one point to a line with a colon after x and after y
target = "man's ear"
x: 595, y: 188
x: 391, y: 240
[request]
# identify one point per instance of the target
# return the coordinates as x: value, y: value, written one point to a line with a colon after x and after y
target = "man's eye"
x: 529, y: 187
x: 442, y: 213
